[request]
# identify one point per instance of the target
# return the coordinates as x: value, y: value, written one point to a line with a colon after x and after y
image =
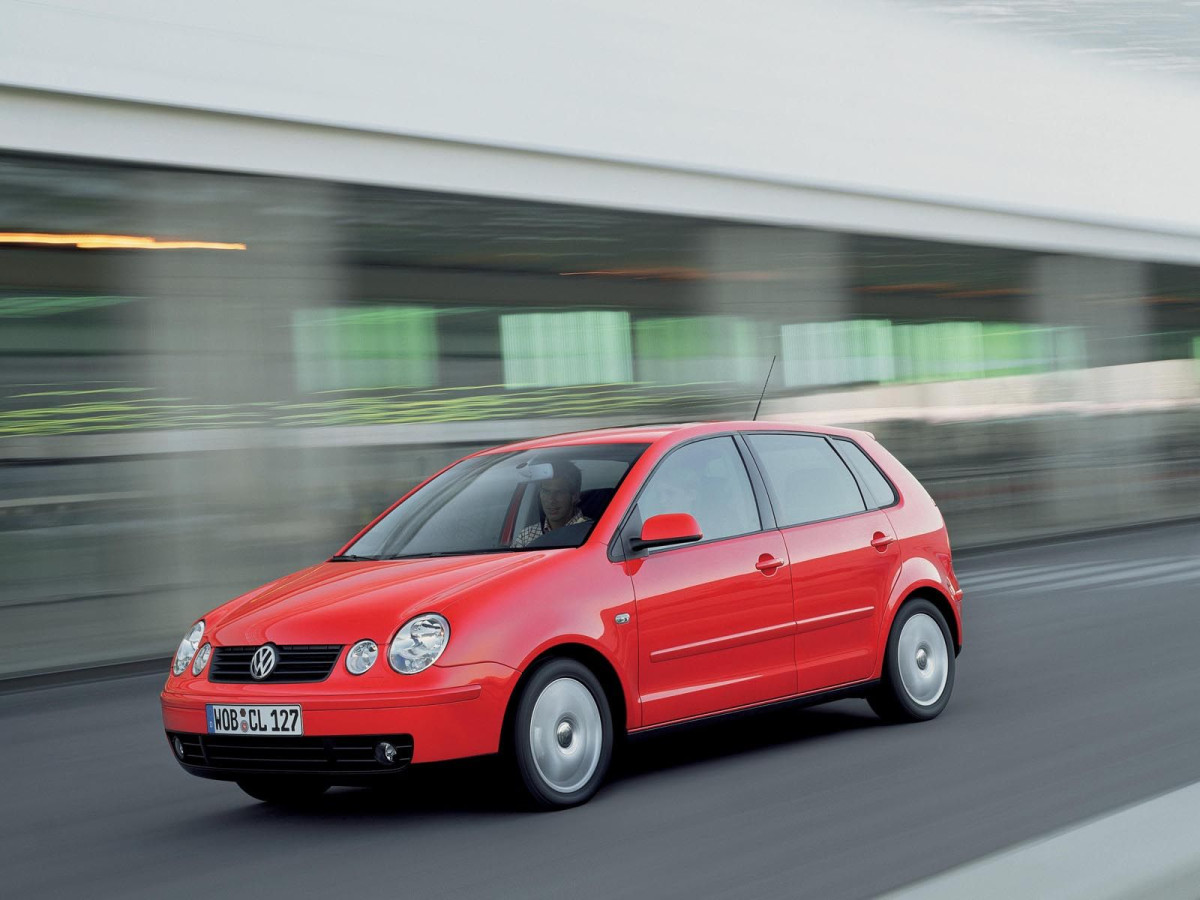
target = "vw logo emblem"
x: 262, y: 663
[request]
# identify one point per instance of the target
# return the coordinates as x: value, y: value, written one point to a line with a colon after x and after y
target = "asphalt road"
x: 1076, y: 694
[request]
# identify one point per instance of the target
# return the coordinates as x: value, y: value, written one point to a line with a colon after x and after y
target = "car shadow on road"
x: 739, y: 734
x: 483, y: 786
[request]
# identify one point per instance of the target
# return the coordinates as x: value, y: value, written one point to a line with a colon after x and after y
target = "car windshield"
x: 500, y: 502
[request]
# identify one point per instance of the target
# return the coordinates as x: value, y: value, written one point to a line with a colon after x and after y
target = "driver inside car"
x: 559, y: 498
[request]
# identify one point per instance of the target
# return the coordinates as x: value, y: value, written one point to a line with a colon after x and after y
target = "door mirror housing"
x: 665, y: 529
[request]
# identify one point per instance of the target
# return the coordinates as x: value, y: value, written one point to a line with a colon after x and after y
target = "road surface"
x: 1076, y: 695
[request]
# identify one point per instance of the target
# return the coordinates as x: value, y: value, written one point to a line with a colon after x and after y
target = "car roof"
x: 649, y: 434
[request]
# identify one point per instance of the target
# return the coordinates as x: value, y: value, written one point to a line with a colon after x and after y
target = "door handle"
x: 767, y: 564
x: 881, y: 541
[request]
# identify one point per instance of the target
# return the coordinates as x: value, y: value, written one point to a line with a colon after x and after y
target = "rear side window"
x: 879, y: 490
x: 808, y: 479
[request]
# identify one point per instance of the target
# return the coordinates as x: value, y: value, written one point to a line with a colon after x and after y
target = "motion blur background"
x: 265, y: 265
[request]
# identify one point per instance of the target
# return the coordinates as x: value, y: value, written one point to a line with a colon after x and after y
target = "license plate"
x: 228, y: 719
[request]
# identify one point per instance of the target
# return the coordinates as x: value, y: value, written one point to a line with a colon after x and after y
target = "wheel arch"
x: 921, y: 581
x: 588, y: 656
x: 944, y: 606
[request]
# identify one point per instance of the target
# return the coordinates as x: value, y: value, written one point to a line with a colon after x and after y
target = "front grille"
x: 297, y: 663
x: 339, y: 755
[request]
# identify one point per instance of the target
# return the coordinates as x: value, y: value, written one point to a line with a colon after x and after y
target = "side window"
x: 808, y: 479
x: 707, y: 479
x: 879, y: 488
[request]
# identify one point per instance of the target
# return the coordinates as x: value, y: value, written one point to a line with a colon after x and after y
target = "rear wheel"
x: 562, y: 735
x: 284, y: 790
x: 918, y: 666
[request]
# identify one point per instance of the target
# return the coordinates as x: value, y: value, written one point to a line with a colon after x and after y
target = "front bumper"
x: 451, y: 713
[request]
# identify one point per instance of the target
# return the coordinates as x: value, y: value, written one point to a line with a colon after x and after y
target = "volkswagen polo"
x: 543, y: 599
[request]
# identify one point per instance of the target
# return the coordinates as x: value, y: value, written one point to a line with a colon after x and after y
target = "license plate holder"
x: 259, y: 720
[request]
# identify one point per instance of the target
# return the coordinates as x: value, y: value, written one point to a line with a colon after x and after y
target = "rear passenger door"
x: 842, y: 554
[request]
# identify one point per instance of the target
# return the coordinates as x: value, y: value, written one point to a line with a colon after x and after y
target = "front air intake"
x: 217, y: 755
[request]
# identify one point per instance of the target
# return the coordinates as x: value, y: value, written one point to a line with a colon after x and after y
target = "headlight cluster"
x: 416, y: 647
x: 419, y: 643
x: 202, y: 659
x: 187, y: 649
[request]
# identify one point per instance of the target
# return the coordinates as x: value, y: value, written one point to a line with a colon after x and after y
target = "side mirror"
x: 667, y: 528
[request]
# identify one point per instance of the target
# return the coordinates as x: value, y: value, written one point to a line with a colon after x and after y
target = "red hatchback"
x: 542, y: 598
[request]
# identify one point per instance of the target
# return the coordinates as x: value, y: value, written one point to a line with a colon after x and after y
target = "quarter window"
x: 808, y: 479
x: 707, y: 479
x: 878, y: 488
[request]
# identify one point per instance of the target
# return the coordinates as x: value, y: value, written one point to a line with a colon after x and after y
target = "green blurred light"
x: 876, y: 351
x: 36, y: 307
x: 451, y: 405
x: 365, y: 347
x: 565, y: 348
x: 696, y: 349
x: 80, y: 393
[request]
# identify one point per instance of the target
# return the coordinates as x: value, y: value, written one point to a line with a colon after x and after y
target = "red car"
x: 544, y: 598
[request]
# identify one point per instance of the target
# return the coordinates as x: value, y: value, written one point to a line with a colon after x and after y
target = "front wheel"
x: 562, y: 735
x: 284, y: 790
x: 918, y: 665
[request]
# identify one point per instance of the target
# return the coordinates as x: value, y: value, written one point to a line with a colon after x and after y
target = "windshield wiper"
x: 439, y: 553
x: 350, y: 557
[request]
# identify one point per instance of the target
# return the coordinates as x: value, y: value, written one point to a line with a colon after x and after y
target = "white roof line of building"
x: 76, y: 125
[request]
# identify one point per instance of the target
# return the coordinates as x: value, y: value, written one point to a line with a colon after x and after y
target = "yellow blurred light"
x: 111, y: 241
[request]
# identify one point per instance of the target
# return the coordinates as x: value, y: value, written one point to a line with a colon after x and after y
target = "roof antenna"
x: 764, y: 390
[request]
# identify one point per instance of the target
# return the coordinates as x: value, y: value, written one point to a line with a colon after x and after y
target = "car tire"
x: 284, y: 790
x: 918, y: 665
x: 561, y: 739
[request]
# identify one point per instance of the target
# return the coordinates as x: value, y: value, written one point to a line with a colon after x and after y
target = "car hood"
x: 341, y: 602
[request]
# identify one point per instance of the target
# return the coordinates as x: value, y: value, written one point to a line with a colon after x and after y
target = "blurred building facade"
x: 262, y: 268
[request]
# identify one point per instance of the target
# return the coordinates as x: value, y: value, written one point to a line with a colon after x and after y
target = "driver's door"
x: 715, y: 618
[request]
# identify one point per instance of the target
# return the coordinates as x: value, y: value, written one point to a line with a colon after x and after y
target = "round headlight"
x: 188, y: 647
x: 202, y: 659
x: 361, y: 657
x: 419, y: 643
